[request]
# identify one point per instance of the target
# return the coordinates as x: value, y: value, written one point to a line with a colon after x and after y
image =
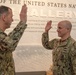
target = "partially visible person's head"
x: 64, y: 28
x: 6, y: 16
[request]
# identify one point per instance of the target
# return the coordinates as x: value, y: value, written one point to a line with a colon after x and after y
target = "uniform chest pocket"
x: 64, y: 55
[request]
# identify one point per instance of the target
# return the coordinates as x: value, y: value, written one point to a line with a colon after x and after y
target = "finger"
x: 24, y: 9
x: 49, y: 23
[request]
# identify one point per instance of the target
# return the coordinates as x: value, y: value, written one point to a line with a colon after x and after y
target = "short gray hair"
x: 67, y: 24
x: 4, y: 9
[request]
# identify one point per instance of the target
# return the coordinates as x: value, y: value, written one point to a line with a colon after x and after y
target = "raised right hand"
x: 48, y: 26
x: 23, y: 13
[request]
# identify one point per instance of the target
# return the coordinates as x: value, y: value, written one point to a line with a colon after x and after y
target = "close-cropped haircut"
x: 67, y: 24
x: 3, y: 9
